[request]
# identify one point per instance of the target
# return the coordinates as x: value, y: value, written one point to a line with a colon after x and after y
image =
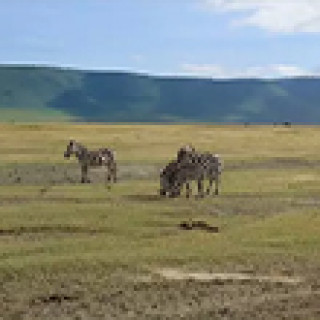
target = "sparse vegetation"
x: 74, y: 251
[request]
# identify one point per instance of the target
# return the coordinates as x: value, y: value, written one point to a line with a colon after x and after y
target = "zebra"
x: 190, y: 165
x: 102, y: 157
x: 207, y: 164
x: 169, y: 182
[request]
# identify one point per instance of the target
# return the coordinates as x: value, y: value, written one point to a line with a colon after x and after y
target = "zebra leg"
x: 107, y: 176
x: 188, y: 190
x: 114, y: 172
x: 84, y: 174
x: 210, y: 185
x: 217, y: 185
x: 200, y: 188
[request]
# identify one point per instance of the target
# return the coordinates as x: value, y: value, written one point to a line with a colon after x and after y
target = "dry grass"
x: 157, y: 143
x: 68, y: 251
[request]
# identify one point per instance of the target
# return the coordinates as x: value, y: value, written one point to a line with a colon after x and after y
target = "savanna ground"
x: 72, y: 251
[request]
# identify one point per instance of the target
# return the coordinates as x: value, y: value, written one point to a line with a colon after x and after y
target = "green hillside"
x: 33, y: 93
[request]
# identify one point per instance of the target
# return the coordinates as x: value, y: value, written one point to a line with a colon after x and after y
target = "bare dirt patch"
x: 122, y: 297
x: 175, y: 274
x: 69, y: 173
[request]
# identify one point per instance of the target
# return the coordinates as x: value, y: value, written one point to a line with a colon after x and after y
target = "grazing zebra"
x: 98, y: 158
x: 169, y: 182
x: 190, y: 165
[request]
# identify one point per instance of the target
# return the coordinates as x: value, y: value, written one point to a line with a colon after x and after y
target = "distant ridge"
x: 45, y: 93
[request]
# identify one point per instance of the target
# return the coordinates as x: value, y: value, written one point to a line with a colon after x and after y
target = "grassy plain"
x: 72, y: 251
x: 158, y: 143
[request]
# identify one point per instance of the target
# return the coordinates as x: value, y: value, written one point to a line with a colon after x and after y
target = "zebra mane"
x: 80, y: 146
x: 82, y: 150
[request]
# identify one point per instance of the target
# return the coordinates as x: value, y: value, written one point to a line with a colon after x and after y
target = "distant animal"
x: 103, y: 157
x: 190, y: 166
x: 286, y: 124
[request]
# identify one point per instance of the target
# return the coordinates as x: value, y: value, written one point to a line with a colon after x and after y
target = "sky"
x: 203, y: 38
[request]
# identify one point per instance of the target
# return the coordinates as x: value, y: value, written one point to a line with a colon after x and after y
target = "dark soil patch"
x: 144, y: 197
x: 50, y: 229
x: 274, y: 163
x: 54, y: 298
x: 40, y: 199
x: 198, y: 225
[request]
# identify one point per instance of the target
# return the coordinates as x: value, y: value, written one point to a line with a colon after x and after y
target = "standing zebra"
x: 191, y: 165
x: 98, y: 158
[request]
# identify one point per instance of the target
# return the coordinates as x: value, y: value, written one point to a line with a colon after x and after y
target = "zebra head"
x: 169, y: 185
x: 186, y: 154
x: 72, y: 148
x: 163, y: 183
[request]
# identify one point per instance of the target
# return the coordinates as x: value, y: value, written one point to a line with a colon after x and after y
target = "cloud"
x: 138, y: 58
x: 285, y: 16
x: 266, y: 72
